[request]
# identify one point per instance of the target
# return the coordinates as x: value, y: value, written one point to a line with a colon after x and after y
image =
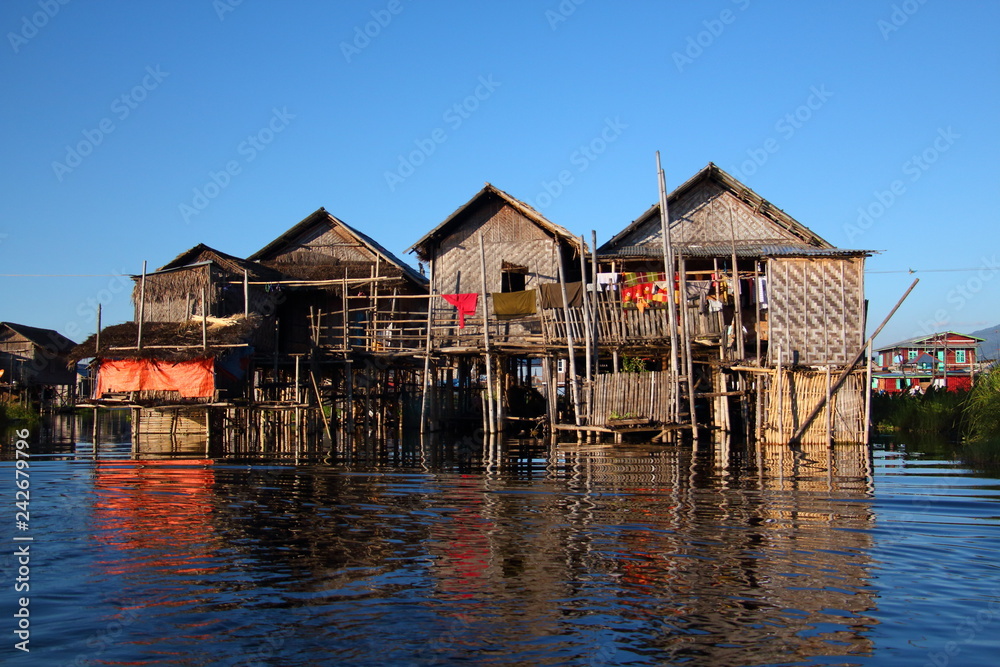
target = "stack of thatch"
x: 171, y: 341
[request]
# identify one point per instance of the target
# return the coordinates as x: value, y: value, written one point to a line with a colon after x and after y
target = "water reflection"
x: 443, y: 550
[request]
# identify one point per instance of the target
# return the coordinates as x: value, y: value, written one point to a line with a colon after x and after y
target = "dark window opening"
x: 512, y: 277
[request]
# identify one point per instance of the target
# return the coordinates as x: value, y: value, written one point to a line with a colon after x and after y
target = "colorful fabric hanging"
x: 465, y: 303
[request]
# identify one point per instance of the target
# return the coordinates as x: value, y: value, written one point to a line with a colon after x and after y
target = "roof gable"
x: 709, y: 209
x: 488, y: 193
x: 943, y: 338
x: 46, y: 338
x: 202, y: 254
x: 323, y: 235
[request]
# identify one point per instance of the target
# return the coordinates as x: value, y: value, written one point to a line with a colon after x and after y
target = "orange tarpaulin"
x: 192, y: 379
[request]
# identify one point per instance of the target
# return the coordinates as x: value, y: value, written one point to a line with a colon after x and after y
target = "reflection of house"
x: 941, y: 360
x: 34, y: 360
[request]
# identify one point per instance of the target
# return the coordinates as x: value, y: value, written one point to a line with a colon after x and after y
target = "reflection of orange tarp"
x: 192, y: 379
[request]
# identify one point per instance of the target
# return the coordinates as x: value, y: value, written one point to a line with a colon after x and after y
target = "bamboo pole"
x: 585, y: 312
x: 689, y: 365
x: 492, y: 424
x: 575, y: 387
x: 97, y: 340
x: 204, y: 318
x: 668, y: 267
x: 850, y: 367
x: 868, y: 396
x: 779, y: 398
x: 828, y: 427
x: 427, y: 351
x: 594, y: 300
x: 142, y: 305
x: 737, y: 330
x: 345, y: 317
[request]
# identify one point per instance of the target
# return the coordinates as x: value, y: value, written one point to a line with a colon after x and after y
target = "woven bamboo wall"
x: 508, y: 237
x: 816, y: 309
x: 790, y: 399
x: 631, y: 395
x: 703, y: 216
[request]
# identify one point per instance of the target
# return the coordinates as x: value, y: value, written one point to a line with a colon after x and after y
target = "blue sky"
x: 134, y: 131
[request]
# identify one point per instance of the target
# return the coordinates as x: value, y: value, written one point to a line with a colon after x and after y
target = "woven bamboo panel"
x: 703, y: 216
x: 508, y: 237
x: 629, y: 395
x: 790, y: 398
x: 816, y: 310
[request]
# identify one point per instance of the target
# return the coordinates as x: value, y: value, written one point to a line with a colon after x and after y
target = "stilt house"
x: 498, y: 258
x: 34, y: 361
x: 756, y: 287
x: 343, y: 291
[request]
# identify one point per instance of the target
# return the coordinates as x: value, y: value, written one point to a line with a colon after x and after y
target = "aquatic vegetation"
x: 981, y: 413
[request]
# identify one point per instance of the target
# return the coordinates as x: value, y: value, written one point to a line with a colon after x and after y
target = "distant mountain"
x: 989, y: 348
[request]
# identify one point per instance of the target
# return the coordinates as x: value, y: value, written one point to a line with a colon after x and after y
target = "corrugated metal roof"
x: 726, y: 250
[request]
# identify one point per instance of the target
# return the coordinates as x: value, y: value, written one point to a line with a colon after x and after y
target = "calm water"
x: 632, y: 555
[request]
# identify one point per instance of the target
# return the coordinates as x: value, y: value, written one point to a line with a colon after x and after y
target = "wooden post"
x: 828, y: 428
x: 585, y: 313
x: 204, y: 318
x: 738, y: 317
x: 756, y: 286
x: 142, y: 306
x: 778, y: 389
x: 868, y: 396
x: 689, y: 363
x: 594, y: 301
x: 97, y: 340
x: 298, y: 398
x: 427, y: 349
x: 668, y: 268
x: 246, y: 294
x: 486, y: 340
x: 569, y: 342
x: 349, y: 390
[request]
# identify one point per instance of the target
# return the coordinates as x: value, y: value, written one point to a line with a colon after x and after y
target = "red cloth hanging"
x: 466, y: 304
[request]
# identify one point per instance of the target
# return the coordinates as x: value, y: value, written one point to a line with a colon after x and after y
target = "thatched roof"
x: 202, y: 253
x: 280, y: 252
x: 190, y: 271
x: 490, y: 190
x: 171, y: 341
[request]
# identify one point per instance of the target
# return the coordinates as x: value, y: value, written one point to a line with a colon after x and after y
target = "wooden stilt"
x: 427, y: 351
x: 142, y: 306
x: 490, y: 399
x: 668, y: 268
x: 569, y: 343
